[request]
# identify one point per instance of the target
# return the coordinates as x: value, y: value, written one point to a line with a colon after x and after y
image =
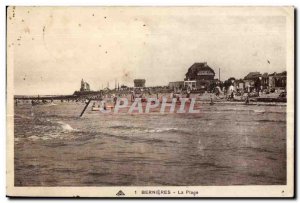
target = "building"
x: 84, y: 86
x: 265, y: 80
x: 202, y: 74
x: 257, y: 81
x: 277, y: 80
x: 139, y: 83
x: 252, y: 76
x: 239, y: 84
x: 191, y: 84
x: 253, y: 81
x: 176, y: 85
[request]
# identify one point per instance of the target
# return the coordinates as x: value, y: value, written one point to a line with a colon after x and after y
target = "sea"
x: 224, y: 144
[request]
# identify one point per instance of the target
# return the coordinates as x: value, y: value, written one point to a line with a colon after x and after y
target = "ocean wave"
x: 233, y: 109
x: 66, y: 127
x: 20, y: 116
x: 143, y: 129
x: 53, y: 130
x: 51, y: 104
x: 34, y: 138
x: 270, y: 120
x: 52, y: 136
x: 259, y: 111
x: 159, y: 130
x: 123, y: 127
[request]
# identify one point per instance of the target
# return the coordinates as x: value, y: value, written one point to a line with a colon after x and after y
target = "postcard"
x: 142, y: 102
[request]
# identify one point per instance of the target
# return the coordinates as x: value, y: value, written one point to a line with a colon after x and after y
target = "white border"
x: 93, y: 2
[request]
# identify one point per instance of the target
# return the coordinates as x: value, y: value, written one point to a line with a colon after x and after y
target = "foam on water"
x: 65, y: 126
x: 52, y: 104
x: 159, y: 130
x: 143, y: 129
x: 259, y: 111
x: 34, y: 137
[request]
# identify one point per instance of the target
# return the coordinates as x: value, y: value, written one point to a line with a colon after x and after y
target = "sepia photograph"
x: 150, y: 101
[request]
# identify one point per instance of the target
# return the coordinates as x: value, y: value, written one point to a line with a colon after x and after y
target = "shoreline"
x: 249, y: 104
x: 202, y: 99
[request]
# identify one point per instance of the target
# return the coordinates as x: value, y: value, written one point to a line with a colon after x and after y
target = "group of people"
x: 231, y: 93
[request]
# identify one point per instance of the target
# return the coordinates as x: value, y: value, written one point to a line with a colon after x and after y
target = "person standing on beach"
x: 115, y: 100
x: 231, y: 90
x: 132, y: 96
x: 247, y: 98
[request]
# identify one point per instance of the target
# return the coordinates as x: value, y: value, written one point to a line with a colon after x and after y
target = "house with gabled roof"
x: 200, y: 74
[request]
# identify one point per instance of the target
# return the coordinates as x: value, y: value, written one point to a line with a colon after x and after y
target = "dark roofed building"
x: 200, y: 71
x: 202, y: 74
x: 265, y: 81
x: 252, y: 81
x: 252, y: 76
x: 277, y: 80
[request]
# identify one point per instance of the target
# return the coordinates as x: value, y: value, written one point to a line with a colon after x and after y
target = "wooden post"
x: 85, y: 107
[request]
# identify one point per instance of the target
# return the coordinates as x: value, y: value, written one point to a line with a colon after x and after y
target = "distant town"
x: 200, y: 81
x: 200, y: 77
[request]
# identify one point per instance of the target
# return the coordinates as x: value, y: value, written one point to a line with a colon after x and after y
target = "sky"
x: 53, y: 48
